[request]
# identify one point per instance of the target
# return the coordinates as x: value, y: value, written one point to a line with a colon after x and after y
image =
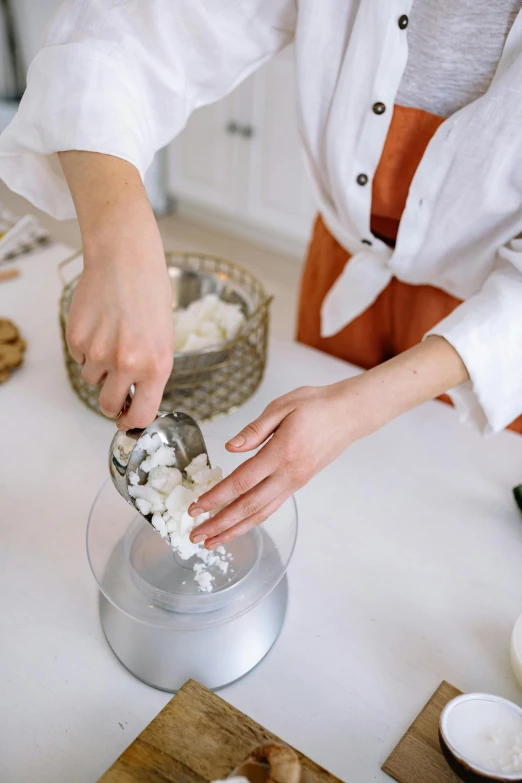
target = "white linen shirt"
x: 122, y: 77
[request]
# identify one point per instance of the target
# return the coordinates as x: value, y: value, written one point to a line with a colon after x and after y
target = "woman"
x: 410, y: 114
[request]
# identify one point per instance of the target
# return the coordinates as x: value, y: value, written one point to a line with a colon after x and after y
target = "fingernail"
x: 195, y: 512
x: 237, y: 441
x: 213, y: 546
x: 198, y: 539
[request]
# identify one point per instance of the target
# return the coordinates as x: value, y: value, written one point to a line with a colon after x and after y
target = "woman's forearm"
x: 120, y: 325
x: 421, y: 373
x: 111, y: 202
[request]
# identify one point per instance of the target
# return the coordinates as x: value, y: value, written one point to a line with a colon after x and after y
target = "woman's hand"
x: 120, y: 328
x: 311, y: 427
x: 120, y: 325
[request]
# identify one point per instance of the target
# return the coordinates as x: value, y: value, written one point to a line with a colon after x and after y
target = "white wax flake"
x: 179, y: 500
x: 205, y: 478
x: 159, y: 523
x: 203, y: 577
x: 206, y: 322
x: 200, y: 460
x: 164, y: 479
x: 143, y: 506
x: 149, y: 443
x: 162, y: 456
x: 151, y: 495
x: 166, y: 497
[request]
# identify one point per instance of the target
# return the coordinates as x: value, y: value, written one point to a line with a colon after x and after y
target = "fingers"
x: 76, y: 354
x: 114, y: 393
x: 93, y: 373
x: 247, y: 524
x: 255, y: 433
x: 244, y: 478
x: 144, y: 406
x: 248, y: 505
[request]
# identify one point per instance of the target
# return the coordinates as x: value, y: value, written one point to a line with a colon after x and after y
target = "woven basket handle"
x: 265, y: 304
x: 63, y: 264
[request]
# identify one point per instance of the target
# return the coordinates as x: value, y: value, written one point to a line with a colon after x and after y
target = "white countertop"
x: 407, y: 571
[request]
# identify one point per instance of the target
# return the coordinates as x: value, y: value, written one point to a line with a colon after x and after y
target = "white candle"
x: 486, y: 733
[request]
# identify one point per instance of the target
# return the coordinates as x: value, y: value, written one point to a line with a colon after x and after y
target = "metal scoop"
x: 177, y: 430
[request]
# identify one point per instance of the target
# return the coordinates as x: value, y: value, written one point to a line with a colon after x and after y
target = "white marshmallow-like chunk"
x: 151, y: 495
x: 203, y: 578
x: 159, y: 523
x: 162, y: 456
x: 164, y: 479
x: 206, y: 322
x: 149, y: 443
x: 179, y: 499
x: 167, y: 495
x: 201, y: 459
x: 143, y: 506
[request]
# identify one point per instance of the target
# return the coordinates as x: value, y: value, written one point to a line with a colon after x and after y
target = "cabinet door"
x: 202, y: 161
x: 279, y: 189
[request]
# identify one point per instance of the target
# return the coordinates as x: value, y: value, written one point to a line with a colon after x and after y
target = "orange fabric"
x: 409, y: 134
x: 403, y: 313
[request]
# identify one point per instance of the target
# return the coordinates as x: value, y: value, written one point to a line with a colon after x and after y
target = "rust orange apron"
x: 403, y: 313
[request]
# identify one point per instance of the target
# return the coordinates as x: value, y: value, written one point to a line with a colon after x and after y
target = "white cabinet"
x: 239, y: 162
x: 203, y: 159
x: 279, y: 192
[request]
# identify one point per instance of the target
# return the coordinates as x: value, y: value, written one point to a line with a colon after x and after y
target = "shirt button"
x: 403, y: 22
x: 366, y: 241
x: 362, y: 179
x: 379, y: 108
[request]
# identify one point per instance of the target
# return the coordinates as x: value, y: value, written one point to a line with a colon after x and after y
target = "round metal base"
x: 215, y: 656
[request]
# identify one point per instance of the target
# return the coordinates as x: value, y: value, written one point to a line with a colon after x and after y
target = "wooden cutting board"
x: 197, y: 738
x: 418, y: 757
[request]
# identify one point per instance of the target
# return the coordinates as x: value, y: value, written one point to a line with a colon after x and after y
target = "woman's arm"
x: 312, y: 426
x: 120, y: 324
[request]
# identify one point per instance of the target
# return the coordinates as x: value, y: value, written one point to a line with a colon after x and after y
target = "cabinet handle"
x: 247, y: 131
x: 232, y: 127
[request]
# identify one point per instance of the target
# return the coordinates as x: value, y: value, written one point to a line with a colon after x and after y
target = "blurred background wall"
x: 22, y: 23
x: 27, y: 21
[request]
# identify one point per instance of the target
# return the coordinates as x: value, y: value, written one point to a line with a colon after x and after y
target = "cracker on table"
x: 11, y: 355
x: 8, y: 331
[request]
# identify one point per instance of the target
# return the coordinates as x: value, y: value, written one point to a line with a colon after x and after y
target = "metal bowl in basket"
x: 213, y: 381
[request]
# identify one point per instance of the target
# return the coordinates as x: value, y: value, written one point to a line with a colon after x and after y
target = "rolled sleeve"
x: 122, y: 79
x: 486, y: 331
x: 93, y: 106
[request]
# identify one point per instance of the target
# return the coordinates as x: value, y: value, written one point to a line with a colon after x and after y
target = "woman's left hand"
x: 311, y: 427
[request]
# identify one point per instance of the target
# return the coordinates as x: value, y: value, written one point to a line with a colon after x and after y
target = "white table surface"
x: 407, y: 571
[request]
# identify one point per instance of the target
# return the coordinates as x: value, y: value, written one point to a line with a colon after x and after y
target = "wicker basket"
x: 209, y: 383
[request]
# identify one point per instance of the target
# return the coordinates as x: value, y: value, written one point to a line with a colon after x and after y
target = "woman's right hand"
x: 120, y: 325
x: 121, y: 329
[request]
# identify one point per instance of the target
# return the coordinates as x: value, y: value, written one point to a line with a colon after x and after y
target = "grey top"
x: 454, y: 47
